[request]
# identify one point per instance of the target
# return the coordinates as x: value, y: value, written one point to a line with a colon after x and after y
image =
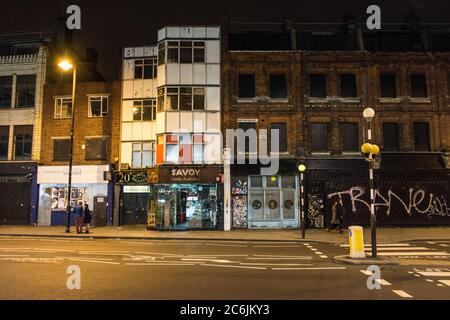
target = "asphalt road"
x: 36, y: 268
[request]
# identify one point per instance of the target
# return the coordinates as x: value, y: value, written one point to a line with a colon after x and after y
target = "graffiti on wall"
x: 315, y: 212
x: 416, y: 200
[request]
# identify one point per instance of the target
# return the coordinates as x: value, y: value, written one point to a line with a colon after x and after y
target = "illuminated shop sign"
x: 182, y: 174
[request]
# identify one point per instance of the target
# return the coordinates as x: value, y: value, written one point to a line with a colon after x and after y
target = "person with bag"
x: 337, y: 216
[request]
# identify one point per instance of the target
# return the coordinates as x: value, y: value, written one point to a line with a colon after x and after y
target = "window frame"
x: 101, y: 97
x: 26, y: 88
x: 23, y: 142
x: 62, y: 98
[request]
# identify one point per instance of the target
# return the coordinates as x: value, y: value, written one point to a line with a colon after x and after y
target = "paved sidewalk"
x: 385, y: 235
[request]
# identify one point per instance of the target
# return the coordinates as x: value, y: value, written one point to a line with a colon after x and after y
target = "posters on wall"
x: 59, y: 199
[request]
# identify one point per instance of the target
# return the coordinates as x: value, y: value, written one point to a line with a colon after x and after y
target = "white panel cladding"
x: 213, y: 98
x: 173, y: 32
x: 126, y: 152
x: 127, y: 89
x: 128, y: 69
x: 199, y: 76
x: 173, y: 121
x: 199, y: 32
x: 150, y: 51
x: 213, y: 148
x: 136, y: 131
x: 161, y: 78
x: 80, y: 174
x: 213, y: 51
x: 128, y: 52
x: 127, y: 110
x: 17, y: 116
x: 186, y: 121
x: 160, y: 122
x: 139, y: 52
x: 199, y: 120
x: 186, y: 74
x: 213, y: 32
x: 126, y: 131
x: 213, y: 121
x: 173, y: 74
x: 161, y: 34
x: 213, y: 74
x: 148, y: 130
x: 138, y: 88
x: 186, y: 32
x: 150, y: 88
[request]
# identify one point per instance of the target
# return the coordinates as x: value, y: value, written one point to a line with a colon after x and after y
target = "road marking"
x: 81, y: 258
x: 160, y: 264
x: 443, y: 245
x: 429, y: 280
x: 414, y: 253
x: 292, y: 246
x: 435, y: 274
x: 446, y: 282
x: 383, y: 282
x: 324, y: 256
x: 51, y: 240
x: 402, y: 293
x: 318, y: 268
x: 14, y: 255
x: 104, y: 254
x: 280, y: 258
x: 366, y: 272
x: 94, y: 261
x: 306, y: 244
x: 382, y: 245
x: 401, y: 248
x: 228, y: 266
x: 318, y: 252
x: 431, y: 242
x: 313, y: 249
x: 225, y: 245
x: 210, y: 260
x: 52, y: 250
x: 275, y: 264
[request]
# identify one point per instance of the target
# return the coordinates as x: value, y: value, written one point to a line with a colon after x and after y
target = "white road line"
x: 14, y: 255
x: 443, y: 245
x: 160, y: 264
x: 318, y: 268
x: 104, y: 254
x: 225, y: 245
x: 400, y: 248
x: 414, y: 253
x: 52, y: 240
x: 160, y: 254
x: 228, y: 266
x: 81, y: 258
x: 293, y: 246
x: 324, y: 256
x: 431, y: 242
x: 52, y: 250
x: 440, y: 285
x: 306, y: 244
x: 94, y: 261
x: 435, y: 274
x: 318, y: 252
x: 210, y: 260
x: 382, y: 245
x: 366, y: 272
x: 446, y: 282
x: 313, y: 249
x: 402, y: 293
x: 383, y: 282
x: 429, y: 280
x: 280, y: 258
x: 275, y: 264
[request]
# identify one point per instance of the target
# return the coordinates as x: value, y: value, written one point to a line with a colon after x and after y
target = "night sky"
x: 109, y: 25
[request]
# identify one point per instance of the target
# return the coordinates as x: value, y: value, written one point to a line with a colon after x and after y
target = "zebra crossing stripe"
x: 446, y: 282
x: 434, y: 274
x: 414, y: 253
x: 402, y: 293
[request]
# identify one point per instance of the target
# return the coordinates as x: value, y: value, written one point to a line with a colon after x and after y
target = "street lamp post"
x: 368, y: 114
x: 301, y: 169
x: 67, y: 65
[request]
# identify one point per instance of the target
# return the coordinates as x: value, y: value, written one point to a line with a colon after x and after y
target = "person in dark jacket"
x: 87, y: 217
x: 337, y: 216
x: 78, y: 211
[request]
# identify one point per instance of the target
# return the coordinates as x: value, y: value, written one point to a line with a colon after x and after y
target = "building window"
x: 277, y: 86
x: 282, y: 143
x: 61, y: 149
x: 249, y: 134
x: 181, y: 98
x: 418, y: 86
x: 182, y: 52
x: 144, y: 110
x: 96, y: 148
x: 246, y: 86
x: 143, y: 154
x: 317, y: 86
x: 4, y: 142
x: 63, y: 108
x: 25, y: 91
x: 23, y: 139
x: 145, y: 68
x: 184, y: 148
x: 421, y: 136
x: 319, y: 137
x: 5, y: 91
x: 98, y: 106
x: 388, y: 85
x: 350, y: 137
x: 391, y: 136
x: 348, y: 85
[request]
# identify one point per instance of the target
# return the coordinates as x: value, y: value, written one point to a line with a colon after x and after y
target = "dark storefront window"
x: 418, y: 86
x: 350, y: 137
x: 388, y: 85
x: 23, y: 139
x: 421, y: 136
x: 391, y: 136
x: 4, y: 142
x: 348, y: 85
x: 282, y: 143
x: 319, y: 137
x: 26, y: 89
x: 246, y: 86
x: 5, y: 91
x: 277, y: 86
x: 317, y: 86
x: 61, y: 149
x: 96, y: 148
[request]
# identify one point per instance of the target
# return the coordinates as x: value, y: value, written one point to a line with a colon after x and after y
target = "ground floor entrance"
x: 135, y: 203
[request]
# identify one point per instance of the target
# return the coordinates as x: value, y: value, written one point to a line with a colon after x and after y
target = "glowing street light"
x: 65, y: 65
x: 302, y: 168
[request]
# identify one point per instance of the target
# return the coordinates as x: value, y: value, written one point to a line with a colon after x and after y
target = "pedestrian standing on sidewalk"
x: 337, y: 215
x: 87, y: 218
x: 78, y: 211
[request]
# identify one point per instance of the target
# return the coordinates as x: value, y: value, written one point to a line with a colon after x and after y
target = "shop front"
x: 185, y: 197
x: 88, y: 186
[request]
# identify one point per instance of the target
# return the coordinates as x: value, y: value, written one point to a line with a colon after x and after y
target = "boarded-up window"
x: 388, y: 85
x: 421, y: 136
x: 277, y: 85
x: 246, y: 85
x: 350, y: 137
x: 96, y: 148
x: 282, y: 143
x: 348, y: 85
x: 319, y: 137
x: 418, y: 86
x: 391, y: 136
x: 317, y: 86
x: 61, y: 149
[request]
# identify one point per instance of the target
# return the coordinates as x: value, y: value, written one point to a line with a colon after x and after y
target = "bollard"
x: 356, y: 239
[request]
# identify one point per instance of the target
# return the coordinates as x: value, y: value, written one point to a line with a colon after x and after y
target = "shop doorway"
x: 135, y: 205
x: 186, y: 206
